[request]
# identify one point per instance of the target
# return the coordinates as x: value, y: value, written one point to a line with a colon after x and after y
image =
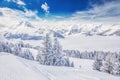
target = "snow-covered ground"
x: 83, y: 43
x: 72, y: 34
x: 16, y: 68
x: 91, y: 43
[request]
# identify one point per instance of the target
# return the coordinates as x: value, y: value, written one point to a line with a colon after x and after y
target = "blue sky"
x: 75, y: 9
x: 56, y: 7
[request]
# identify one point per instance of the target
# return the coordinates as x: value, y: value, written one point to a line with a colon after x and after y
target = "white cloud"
x: 12, y: 16
x: 17, y: 13
x: 107, y: 12
x: 110, y: 11
x: 19, y: 2
x: 59, y: 17
x: 30, y: 13
x: 46, y: 8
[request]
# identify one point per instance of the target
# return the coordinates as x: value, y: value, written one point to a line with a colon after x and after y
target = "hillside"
x: 16, y: 68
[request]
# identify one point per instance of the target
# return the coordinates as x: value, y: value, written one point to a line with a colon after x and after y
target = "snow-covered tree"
x: 5, y: 47
x: 59, y: 58
x: 98, y: 62
x: 47, y: 53
x: 116, y: 66
x: 1, y: 47
x: 111, y: 63
x: 40, y: 57
x: 51, y: 54
x: 72, y: 64
x: 20, y: 44
x: 16, y: 50
x: 57, y: 52
x: 26, y: 54
x: 107, y: 64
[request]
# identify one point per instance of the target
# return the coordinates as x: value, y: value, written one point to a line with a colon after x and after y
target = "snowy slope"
x: 71, y: 28
x: 15, y: 68
x: 23, y: 27
x: 91, y: 43
x: 95, y: 29
x: 23, y: 30
x: 17, y: 22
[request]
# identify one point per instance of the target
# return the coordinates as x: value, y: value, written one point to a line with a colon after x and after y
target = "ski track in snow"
x: 16, y: 68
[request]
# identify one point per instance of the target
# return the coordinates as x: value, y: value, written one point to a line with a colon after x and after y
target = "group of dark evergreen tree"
x: 111, y: 63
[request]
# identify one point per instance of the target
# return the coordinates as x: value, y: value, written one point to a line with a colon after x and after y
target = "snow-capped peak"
x: 25, y: 24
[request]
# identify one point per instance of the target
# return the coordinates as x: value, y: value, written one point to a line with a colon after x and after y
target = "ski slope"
x: 16, y: 68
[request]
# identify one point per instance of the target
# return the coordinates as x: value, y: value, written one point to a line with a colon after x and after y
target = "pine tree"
x: 58, y: 58
x: 1, y: 47
x: 116, y: 66
x: 26, y: 54
x: 72, y: 64
x: 107, y: 64
x: 51, y: 54
x: 5, y: 47
x: 16, y: 50
x: 57, y: 51
x: 40, y: 58
x: 98, y: 62
x: 46, y: 55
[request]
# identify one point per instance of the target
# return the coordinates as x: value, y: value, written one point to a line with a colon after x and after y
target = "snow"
x: 83, y: 43
x: 81, y: 63
x: 83, y: 36
x: 11, y: 68
x: 33, y: 51
x: 91, y: 43
x: 16, y: 68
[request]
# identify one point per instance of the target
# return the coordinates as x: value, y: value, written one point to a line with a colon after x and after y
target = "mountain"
x: 29, y: 31
x: 26, y: 30
x: 23, y: 30
x: 23, y: 27
x: 94, y: 29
